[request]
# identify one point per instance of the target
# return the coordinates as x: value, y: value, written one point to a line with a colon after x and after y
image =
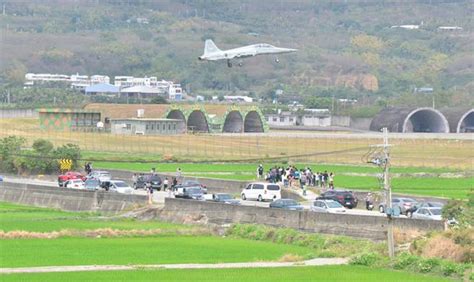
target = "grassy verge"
x: 17, y: 217
x: 321, y: 273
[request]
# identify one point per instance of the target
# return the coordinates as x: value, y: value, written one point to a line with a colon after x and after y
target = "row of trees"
x: 43, y: 157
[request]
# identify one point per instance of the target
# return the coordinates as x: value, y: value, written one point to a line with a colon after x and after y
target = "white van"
x: 261, y: 191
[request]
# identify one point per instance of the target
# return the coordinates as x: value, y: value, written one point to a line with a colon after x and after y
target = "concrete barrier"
x: 69, y: 199
x: 370, y: 227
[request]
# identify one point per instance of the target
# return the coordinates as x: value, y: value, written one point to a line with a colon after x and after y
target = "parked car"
x: 195, y: 193
x: 225, y: 198
x: 101, y: 175
x: 327, y: 206
x: 74, y: 183
x: 343, y: 197
x: 120, y: 187
x: 261, y: 191
x: 195, y: 183
x: 433, y: 213
x: 402, y: 204
x: 153, y: 179
x: 287, y: 204
x: 68, y: 176
x: 92, y: 184
x: 409, y: 212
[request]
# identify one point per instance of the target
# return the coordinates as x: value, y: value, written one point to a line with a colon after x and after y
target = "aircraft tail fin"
x: 210, y: 47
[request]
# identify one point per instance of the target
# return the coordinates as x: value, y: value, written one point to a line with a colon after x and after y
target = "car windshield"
x: 435, y: 211
x: 224, y: 197
x: 408, y: 200
x: 92, y: 183
x: 290, y: 203
x: 154, y: 178
x: 273, y: 187
x: 120, y: 184
x: 193, y: 190
x: 191, y: 182
x: 334, y: 204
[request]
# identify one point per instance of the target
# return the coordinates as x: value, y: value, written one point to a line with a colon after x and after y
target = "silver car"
x: 428, y: 213
x: 327, y: 206
x: 101, y: 175
x: 402, y: 204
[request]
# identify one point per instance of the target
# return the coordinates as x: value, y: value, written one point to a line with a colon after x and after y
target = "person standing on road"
x: 165, y: 184
x: 331, y: 181
x: 150, y: 193
x: 260, y: 171
x: 178, y: 174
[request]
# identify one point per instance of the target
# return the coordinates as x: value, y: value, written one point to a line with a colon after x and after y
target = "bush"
x: 405, y: 260
x: 427, y: 265
x: 366, y: 259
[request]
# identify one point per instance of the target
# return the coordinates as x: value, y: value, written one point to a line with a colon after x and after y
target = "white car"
x: 120, y: 187
x: 327, y: 206
x: 261, y: 191
x: 427, y: 213
x: 74, y: 183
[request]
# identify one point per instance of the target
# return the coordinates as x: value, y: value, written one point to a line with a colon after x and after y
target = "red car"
x: 70, y: 175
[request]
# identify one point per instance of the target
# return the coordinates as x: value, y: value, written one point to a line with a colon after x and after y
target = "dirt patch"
x: 290, y: 258
x: 99, y: 233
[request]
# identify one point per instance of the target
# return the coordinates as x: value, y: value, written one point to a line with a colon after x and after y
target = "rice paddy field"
x: 32, y: 237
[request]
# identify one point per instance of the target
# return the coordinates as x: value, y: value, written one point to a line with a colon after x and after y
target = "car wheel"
x: 381, y: 209
x: 243, y: 197
x: 260, y: 199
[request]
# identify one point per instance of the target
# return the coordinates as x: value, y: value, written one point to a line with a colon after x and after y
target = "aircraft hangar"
x: 408, y: 120
x: 208, y: 118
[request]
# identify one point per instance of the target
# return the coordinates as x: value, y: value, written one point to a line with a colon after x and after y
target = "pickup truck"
x: 68, y: 176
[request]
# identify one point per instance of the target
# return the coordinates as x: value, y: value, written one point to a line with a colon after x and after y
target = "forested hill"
x: 346, y: 48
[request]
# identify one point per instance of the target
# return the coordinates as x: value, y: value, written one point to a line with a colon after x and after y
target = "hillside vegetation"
x: 346, y: 49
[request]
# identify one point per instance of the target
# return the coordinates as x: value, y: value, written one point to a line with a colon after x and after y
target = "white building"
x: 450, y: 28
x: 175, y: 92
x: 282, y: 119
x: 242, y: 99
x: 129, y: 81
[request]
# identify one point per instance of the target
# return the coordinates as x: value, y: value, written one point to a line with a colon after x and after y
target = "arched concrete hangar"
x: 460, y: 120
x: 410, y: 120
x: 196, y: 118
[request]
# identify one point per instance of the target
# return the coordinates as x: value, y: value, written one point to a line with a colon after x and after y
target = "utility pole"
x: 388, y: 193
x: 381, y: 158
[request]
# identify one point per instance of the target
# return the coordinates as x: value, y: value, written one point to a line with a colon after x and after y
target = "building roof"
x: 64, y: 110
x: 102, y: 88
x: 145, y: 119
x: 141, y: 89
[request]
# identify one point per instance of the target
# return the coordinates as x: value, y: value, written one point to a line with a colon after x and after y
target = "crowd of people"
x: 292, y: 176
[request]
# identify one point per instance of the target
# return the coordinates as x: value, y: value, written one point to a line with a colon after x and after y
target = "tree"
x: 159, y: 100
x: 68, y: 151
x: 10, y: 148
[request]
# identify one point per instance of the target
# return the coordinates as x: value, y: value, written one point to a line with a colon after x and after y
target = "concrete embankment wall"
x: 370, y: 227
x: 68, y: 199
x: 18, y: 113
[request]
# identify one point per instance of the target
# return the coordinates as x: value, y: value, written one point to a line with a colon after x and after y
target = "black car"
x: 345, y: 198
x: 415, y: 207
x: 225, y: 198
x: 143, y: 180
x: 194, y: 193
x: 287, y: 204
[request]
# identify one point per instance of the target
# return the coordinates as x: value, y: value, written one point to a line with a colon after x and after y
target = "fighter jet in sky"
x: 212, y: 53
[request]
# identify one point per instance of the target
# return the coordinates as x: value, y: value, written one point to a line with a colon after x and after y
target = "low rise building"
x: 147, y: 126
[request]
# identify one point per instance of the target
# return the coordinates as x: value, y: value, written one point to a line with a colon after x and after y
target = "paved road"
x: 74, y: 268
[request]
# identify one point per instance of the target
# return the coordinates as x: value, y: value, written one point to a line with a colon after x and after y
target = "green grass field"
x: 319, y: 273
x: 167, y: 248
x: 140, y: 250
x: 346, y: 176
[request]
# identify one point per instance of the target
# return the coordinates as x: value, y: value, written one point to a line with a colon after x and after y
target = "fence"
x: 408, y: 150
